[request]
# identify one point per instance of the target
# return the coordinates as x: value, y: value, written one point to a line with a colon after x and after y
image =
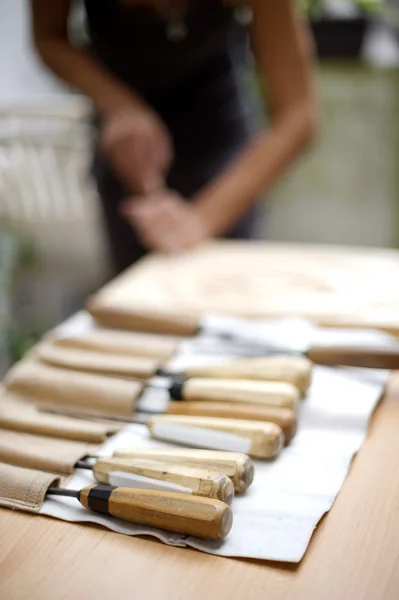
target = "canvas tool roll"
x: 85, y: 392
x: 24, y: 489
x: 42, y: 453
x: 111, y: 341
x: 295, y: 370
x: 117, y: 365
x: 24, y: 417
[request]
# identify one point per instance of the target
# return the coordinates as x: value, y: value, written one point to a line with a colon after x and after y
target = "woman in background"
x: 180, y: 157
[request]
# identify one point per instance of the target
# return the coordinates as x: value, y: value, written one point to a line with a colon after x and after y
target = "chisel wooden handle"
x: 201, y: 482
x: 366, y: 357
x: 260, y: 440
x: 76, y: 392
x: 126, y: 343
x: 235, y: 465
x: 273, y: 393
x: 98, y: 362
x: 290, y: 369
x: 139, y: 318
x: 284, y: 417
x: 206, y: 518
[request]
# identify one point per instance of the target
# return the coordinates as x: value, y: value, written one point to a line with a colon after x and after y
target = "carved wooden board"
x: 331, y: 285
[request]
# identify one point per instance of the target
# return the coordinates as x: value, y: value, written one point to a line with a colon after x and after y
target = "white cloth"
x: 276, y: 517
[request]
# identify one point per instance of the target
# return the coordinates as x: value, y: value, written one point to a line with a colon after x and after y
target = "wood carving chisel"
x: 50, y: 423
x: 152, y: 474
x: 374, y: 356
x: 258, y: 439
x: 206, y: 518
x: 235, y: 465
x: 294, y: 370
x: 118, y: 397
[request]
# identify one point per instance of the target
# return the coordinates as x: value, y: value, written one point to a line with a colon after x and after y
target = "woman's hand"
x: 165, y: 222
x: 138, y: 146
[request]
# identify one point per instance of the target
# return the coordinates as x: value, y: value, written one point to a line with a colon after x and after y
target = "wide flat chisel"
x: 205, y: 518
x: 253, y: 334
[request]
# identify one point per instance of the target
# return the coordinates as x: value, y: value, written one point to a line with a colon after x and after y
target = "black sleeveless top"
x: 132, y: 42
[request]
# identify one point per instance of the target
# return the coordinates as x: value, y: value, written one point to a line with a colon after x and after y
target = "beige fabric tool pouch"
x: 110, y: 341
x: 24, y: 489
x: 115, y: 365
x: 24, y: 417
x: 42, y: 453
x: 75, y: 392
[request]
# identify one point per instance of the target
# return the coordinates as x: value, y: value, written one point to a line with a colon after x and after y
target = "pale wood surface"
x: 354, y: 553
x: 327, y: 284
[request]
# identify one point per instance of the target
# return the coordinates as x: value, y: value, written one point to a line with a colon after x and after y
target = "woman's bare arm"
x: 133, y: 137
x: 283, y: 52
x: 74, y: 65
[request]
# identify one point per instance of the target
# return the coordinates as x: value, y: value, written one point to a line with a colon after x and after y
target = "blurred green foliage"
x: 319, y: 8
x: 17, y: 258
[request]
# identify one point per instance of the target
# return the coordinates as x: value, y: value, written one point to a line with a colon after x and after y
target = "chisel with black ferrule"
x: 294, y: 370
x: 117, y: 397
x: 206, y: 518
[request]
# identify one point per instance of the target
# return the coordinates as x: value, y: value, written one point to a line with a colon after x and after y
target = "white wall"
x: 21, y: 75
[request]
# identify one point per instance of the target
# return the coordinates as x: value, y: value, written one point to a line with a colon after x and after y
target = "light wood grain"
x: 284, y: 417
x: 266, y: 439
x: 330, y: 285
x: 269, y: 393
x: 354, y: 553
x: 237, y: 466
x: 293, y: 370
x: 201, y: 482
x: 206, y: 518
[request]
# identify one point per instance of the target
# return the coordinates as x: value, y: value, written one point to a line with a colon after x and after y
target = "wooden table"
x: 354, y: 553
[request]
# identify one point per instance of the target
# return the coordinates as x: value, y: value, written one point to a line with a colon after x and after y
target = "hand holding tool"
x: 205, y: 518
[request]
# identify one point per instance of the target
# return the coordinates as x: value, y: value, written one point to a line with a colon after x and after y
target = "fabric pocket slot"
x: 24, y: 489
x: 24, y: 417
x: 42, y: 453
x: 81, y: 392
